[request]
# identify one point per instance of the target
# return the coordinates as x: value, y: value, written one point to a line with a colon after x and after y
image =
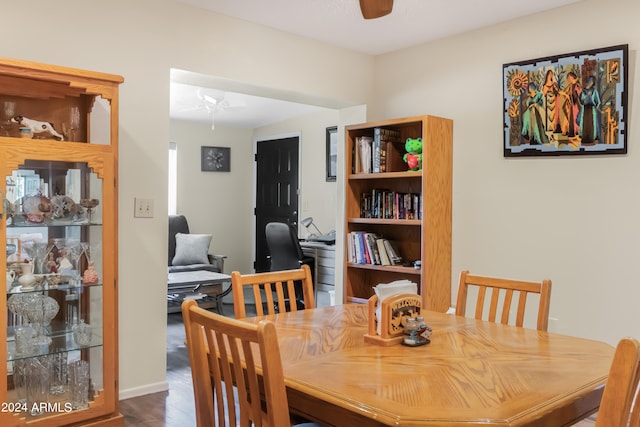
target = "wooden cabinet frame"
x: 49, y: 93
x: 428, y: 238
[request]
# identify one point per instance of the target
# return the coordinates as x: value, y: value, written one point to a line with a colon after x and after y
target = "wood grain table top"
x: 473, y: 373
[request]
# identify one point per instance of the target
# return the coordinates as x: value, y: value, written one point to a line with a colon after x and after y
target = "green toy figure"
x: 413, y: 158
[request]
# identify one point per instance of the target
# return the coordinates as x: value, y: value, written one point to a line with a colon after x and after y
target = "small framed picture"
x: 332, y: 153
x: 215, y: 159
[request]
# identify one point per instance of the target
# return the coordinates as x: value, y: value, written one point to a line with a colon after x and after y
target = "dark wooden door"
x: 276, y: 190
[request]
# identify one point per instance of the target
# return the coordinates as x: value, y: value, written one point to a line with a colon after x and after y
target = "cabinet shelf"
x: 60, y: 343
x: 36, y: 140
x: 61, y: 287
x: 386, y: 175
x: 388, y: 268
x: 54, y: 224
x: 382, y: 221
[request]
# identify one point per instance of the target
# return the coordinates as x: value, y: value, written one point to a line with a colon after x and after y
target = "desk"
x: 324, y: 269
x: 203, y: 286
x: 474, y: 373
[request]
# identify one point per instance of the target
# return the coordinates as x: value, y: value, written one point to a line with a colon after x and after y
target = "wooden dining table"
x: 472, y: 373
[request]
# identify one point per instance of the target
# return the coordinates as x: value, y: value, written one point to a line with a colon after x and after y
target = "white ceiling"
x: 340, y: 23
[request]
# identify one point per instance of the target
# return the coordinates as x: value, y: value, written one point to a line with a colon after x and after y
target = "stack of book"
x: 362, y: 154
x: 383, y: 140
x: 369, y: 248
x: 386, y: 204
x: 371, y: 154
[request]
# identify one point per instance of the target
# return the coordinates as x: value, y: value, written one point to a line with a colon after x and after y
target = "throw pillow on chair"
x: 192, y: 249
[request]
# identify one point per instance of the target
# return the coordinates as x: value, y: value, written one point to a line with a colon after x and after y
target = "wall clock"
x: 215, y: 159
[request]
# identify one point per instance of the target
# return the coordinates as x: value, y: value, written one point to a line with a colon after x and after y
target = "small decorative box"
x: 393, y: 314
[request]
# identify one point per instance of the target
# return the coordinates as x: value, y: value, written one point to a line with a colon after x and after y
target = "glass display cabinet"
x: 58, y: 154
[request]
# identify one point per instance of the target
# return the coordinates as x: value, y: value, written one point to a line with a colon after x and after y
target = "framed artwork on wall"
x: 332, y: 153
x: 568, y: 104
x: 215, y: 159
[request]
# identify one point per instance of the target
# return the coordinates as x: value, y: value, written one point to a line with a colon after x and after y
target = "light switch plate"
x: 143, y: 208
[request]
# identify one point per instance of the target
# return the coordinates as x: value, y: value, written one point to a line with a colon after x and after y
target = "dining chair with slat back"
x: 269, y: 290
x: 507, y: 288
x: 635, y: 412
x: 621, y: 388
x: 229, y: 387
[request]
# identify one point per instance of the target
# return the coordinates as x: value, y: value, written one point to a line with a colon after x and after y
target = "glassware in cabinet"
x: 57, y: 315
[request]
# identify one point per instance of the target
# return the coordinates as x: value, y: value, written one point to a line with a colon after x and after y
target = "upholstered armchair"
x: 190, y: 252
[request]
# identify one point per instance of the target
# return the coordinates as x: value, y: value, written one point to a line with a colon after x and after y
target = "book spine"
x: 384, y: 258
x: 365, y: 154
x: 393, y: 255
x: 376, y: 151
x: 373, y: 248
x: 351, y: 256
x: 358, y: 248
x: 384, y: 149
x: 388, y: 137
x: 365, y: 248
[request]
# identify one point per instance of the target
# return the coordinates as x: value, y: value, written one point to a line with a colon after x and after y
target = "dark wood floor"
x: 175, y: 408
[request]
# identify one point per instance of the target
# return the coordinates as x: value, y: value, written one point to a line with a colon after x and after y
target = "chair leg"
x: 218, y: 299
x: 219, y: 305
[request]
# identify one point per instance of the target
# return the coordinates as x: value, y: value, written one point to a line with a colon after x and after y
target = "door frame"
x: 257, y: 140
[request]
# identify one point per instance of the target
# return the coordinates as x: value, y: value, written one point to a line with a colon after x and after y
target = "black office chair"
x: 285, y: 252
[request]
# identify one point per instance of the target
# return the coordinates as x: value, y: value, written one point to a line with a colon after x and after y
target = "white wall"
x: 217, y: 203
x: 142, y: 40
x: 573, y: 220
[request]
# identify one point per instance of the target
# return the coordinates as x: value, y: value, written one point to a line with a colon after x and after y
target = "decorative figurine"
x: 65, y: 208
x: 413, y: 157
x: 90, y: 275
x: 63, y: 261
x: 37, y: 126
x: 51, y: 265
x: 36, y: 208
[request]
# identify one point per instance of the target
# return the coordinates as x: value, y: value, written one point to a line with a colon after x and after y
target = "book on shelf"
x: 383, y: 138
x: 386, y: 204
x: 382, y: 250
x: 363, y: 154
x: 365, y: 205
x: 370, y: 248
x: 351, y: 256
x: 393, y: 255
x: 359, y: 249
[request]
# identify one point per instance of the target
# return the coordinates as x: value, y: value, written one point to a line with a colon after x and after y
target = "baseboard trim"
x: 143, y: 390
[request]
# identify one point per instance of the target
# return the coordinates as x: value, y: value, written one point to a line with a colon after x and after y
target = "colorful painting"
x: 567, y: 104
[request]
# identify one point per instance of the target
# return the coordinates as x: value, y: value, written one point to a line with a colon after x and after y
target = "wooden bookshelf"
x: 425, y: 237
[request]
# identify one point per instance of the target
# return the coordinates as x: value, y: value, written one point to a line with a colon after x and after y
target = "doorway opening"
x: 277, y: 190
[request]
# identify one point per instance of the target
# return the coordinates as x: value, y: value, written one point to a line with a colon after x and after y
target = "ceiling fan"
x: 208, y: 100
x: 372, y: 9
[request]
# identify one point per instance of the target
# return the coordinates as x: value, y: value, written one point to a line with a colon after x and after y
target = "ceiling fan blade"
x: 372, y: 9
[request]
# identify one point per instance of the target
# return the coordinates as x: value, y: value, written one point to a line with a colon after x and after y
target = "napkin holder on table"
x: 394, y: 311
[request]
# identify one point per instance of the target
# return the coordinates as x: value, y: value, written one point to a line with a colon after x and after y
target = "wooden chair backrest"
x: 507, y: 287
x: 222, y: 351
x: 635, y: 411
x: 265, y: 284
x: 621, y: 388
